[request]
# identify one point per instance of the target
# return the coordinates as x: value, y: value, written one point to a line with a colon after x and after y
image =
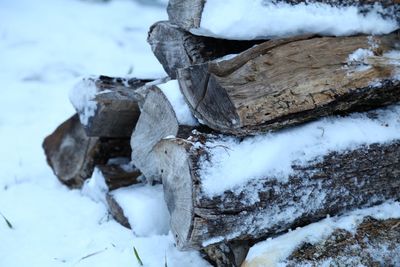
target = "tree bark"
x: 117, y: 107
x: 375, y: 243
x: 73, y: 155
x: 285, y: 82
x: 338, y: 183
x: 157, y: 121
x: 176, y: 48
x: 117, y: 212
x: 187, y: 14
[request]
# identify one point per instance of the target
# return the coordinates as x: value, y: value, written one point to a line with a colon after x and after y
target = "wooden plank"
x: 337, y: 183
x: 285, y: 82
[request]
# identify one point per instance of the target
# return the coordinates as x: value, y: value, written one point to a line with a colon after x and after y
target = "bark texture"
x: 375, y: 243
x: 338, y: 183
x: 285, y: 82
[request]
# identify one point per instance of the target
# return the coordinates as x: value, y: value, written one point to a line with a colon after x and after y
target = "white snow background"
x: 46, y: 47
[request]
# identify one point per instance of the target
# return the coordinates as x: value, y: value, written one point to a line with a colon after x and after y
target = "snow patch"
x: 82, y: 98
x: 144, y: 207
x: 95, y: 187
x: 262, y: 19
x: 273, y: 251
x: 233, y: 163
x: 175, y: 97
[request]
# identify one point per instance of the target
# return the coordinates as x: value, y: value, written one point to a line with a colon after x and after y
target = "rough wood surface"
x: 226, y: 254
x: 187, y: 14
x: 116, y: 211
x: 375, y: 243
x: 176, y: 48
x: 338, y: 183
x: 72, y: 154
x: 289, y: 81
x: 116, y: 176
x: 157, y: 121
x: 117, y: 107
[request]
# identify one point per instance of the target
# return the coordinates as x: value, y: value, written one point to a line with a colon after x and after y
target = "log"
x: 332, y: 184
x: 116, y: 176
x: 189, y: 15
x: 372, y: 243
x: 289, y: 81
x: 226, y: 255
x: 108, y: 107
x: 72, y: 154
x: 176, y: 48
x: 116, y: 211
x: 157, y: 121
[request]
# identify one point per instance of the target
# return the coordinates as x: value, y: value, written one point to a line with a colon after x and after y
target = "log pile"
x: 250, y: 138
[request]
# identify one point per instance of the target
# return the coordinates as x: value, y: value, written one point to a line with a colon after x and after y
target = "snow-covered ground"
x: 46, y: 46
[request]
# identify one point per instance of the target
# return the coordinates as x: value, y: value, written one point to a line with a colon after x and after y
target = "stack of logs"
x: 266, y: 86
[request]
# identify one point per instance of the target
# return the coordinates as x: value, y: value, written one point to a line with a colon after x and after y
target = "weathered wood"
x: 116, y: 211
x: 158, y: 120
x: 72, y: 154
x: 226, y: 255
x: 187, y: 14
x: 289, y: 81
x: 337, y: 183
x: 375, y: 243
x: 176, y: 48
x: 116, y: 107
x: 116, y: 176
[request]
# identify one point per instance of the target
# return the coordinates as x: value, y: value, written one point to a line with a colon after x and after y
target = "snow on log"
x: 257, y: 19
x: 176, y: 48
x: 369, y: 237
x: 164, y: 113
x: 289, y: 81
x: 73, y: 155
x: 220, y: 189
x: 107, y: 107
x: 141, y: 208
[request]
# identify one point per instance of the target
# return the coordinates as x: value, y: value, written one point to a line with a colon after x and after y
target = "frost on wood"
x: 256, y: 19
x: 366, y: 237
x: 365, y: 174
x: 285, y: 82
x: 176, y: 48
x: 164, y: 114
x: 107, y: 107
x: 73, y: 155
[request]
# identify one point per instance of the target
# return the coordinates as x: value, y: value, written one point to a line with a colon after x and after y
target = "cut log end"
x: 175, y: 168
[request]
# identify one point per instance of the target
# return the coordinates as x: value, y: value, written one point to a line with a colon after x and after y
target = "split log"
x: 117, y: 212
x: 187, y: 14
x: 374, y: 243
x: 176, y: 48
x: 157, y: 121
x: 116, y: 176
x: 108, y: 107
x: 337, y: 183
x: 285, y: 82
x: 72, y: 154
x: 226, y: 255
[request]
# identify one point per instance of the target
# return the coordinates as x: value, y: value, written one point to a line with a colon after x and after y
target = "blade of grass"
x: 137, y: 256
x: 7, y: 221
x: 165, y: 264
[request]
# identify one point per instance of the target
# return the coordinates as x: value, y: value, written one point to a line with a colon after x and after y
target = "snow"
x: 175, y: 97
x: 46, y: 47
x: 275, y: 250
x: 144, y: 207
x: 257, y: 19
x: 82, y: 98
x: 233, y: 163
